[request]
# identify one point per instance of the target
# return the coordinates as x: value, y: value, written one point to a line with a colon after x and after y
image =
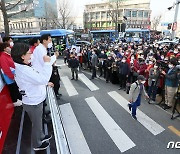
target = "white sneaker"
x: 18, y: 103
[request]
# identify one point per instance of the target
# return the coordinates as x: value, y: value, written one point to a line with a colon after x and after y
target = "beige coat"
x: 134, y: 92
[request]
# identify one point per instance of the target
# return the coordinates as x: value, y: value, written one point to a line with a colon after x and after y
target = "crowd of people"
x: 138, y: 68
x: 122, y: 63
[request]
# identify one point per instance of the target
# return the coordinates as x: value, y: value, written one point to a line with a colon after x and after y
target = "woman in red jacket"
x: 7, y: 69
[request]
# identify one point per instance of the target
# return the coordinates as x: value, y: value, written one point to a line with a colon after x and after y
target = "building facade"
x: 100, y: 15
x: 40, y: 15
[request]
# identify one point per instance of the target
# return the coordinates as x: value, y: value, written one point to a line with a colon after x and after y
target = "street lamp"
x: 175, y: 16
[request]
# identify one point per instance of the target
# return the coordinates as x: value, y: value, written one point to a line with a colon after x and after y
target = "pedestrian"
x: 94, y: 63
x: 32, y: 85
x: 135, y: 93
x: 74, y: 64
x: 171, y: 83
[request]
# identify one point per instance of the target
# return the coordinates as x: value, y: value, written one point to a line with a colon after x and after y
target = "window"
x: 128, y: 13
x: 120, y: 13
x: 146, y: 14
x: 97, y: 15
x: 140, y: 14
x: 103, y: 15
x: 134, y: 13
x: 108, y: 16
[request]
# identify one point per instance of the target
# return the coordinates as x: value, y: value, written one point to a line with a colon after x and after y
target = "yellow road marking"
x: 174, y: 130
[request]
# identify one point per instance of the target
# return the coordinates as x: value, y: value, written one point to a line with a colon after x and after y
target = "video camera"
x: 162, y: 65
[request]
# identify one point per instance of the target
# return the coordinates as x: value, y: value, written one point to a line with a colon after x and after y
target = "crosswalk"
x: 120, y: 138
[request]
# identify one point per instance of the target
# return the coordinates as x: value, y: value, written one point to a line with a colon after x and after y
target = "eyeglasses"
x: 28, y: 53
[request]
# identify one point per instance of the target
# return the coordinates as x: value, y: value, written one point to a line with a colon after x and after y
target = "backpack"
x: 128, y: 86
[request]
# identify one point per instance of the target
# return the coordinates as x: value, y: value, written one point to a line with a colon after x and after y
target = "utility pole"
x: 175, y: 17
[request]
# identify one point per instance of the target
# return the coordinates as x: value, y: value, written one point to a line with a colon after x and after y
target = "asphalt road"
x: 97, y: 119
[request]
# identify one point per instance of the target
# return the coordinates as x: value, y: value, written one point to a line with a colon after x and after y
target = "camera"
x: 162, y: 65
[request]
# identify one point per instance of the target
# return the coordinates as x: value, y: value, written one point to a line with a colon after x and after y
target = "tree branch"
x: 14, y: 5
x: 13, y: 14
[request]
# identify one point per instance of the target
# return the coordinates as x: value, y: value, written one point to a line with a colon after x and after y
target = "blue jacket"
x: 171, y: 78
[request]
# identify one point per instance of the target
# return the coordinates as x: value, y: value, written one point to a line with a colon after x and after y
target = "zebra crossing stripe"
x: 88, y: 83
x: 122, y: 141
x: 75, y: 137
x: 69, y: 86
x: 146, y: 121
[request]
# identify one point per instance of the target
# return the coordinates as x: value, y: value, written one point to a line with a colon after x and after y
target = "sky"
x: 157, y: 6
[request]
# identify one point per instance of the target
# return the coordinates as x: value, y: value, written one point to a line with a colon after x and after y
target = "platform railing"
x: 57, y: 122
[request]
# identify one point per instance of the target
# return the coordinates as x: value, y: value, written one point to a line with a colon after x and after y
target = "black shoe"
x: 167, y: 107
x: 57, y: 97
x: 72, y: 79
x: 107, y: 81
x: 134, y: 117
x: 91, y: 78
x: 47, y: 120
x: 129, y: 105
x: 46, y: 138
x: 42, y: 147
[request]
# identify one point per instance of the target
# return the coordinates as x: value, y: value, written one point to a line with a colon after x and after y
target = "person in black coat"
x: 124, y: 71
x: 74, y: 64
x: 108, y: 65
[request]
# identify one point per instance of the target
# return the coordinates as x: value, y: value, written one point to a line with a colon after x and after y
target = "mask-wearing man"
x: 136, y: 91
x: 171, y: 83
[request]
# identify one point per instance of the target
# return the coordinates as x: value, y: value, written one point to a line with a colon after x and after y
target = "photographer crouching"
x: 171, y: 83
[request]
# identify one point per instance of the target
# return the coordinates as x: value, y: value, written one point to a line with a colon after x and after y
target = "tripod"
x: 177, y: 98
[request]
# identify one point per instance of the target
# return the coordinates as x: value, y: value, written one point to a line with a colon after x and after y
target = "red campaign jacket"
x: 142, y: 68
x: 5, y: 63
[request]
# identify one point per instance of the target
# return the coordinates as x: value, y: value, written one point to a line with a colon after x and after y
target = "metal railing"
x: 59, y: 133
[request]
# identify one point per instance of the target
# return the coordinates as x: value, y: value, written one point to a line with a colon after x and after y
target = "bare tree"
x: 5, y: 8
x: 155, y: 22
x: 50, y: 16
x: 114, y: 6
x: 65, y: 20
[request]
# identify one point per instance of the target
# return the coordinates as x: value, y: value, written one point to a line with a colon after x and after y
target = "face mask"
x: 162, y: 57
x: 8, y: 50
x: 170, y: 66
x: 179, y: 61
x: 150, y: 62
x: 102, y: 52
x: 50, y: 45
x: 11, y: 44
x: 150, y: 57
x: 123, y: 61
x: 151, y: 51
x: 31, y: 60
x: 175, y: 52
x: 122, y: 54
x: 132, y: 58
x: 143, y: 82
x: 155, y: 67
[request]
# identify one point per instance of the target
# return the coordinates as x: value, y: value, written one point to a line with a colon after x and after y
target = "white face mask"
x: 179, y: 61
x: 150, y: 62
x: 175, y: 52
x: 50, y: 45
x: 123, y: 61
x: 143, y: 82
x: 31, y: 60
x: 155, y: 67
x: 162, y: 57
x: 170, y: 66
x: 11, y: 44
